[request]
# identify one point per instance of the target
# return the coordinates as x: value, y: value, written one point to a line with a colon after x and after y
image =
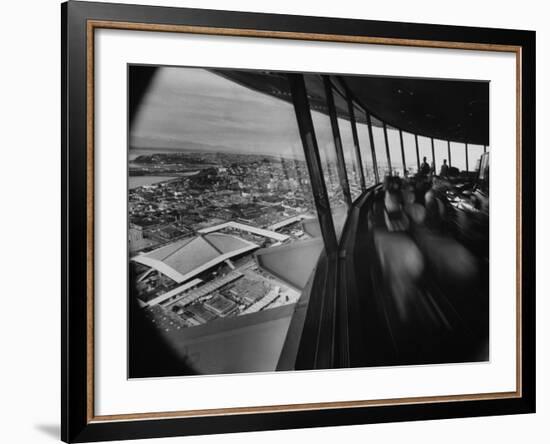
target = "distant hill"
x: 146, y: 143
x: 166, y: 144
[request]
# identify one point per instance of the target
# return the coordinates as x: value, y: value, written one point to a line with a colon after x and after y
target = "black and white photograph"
x: 263, y: 222
x: 285, y: 221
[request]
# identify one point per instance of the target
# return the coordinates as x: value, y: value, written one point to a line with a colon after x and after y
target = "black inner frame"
x: 75, y: 426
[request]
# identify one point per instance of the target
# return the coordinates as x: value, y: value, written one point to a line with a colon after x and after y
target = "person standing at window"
x: 424, y: 167
x: 444, y: 169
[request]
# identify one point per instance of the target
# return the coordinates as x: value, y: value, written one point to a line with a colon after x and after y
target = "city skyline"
x: 230, y: 228
x: 196, y: 110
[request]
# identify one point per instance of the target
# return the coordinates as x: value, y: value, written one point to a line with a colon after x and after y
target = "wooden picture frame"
x: 80, y: 20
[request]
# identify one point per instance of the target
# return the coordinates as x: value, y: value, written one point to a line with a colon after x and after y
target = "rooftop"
x: 186, y: 258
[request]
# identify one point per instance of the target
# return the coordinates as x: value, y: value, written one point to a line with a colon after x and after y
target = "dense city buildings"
x: 275, y: 223
x: 195, y: 227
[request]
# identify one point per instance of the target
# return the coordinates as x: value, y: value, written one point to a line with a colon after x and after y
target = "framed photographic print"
x: 277, y: 221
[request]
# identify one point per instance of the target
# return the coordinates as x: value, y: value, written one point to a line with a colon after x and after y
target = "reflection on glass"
x: 348, y: 147
x: 458, y: 156
x: 380, y: 148
x: 441, y: 154
x: 409, y: 147
x: 365, y: 147
x: 474, y: 155
x: 425, y: 149
x: 222, y: 220
x: 395, y: 151
x: 327, y: 152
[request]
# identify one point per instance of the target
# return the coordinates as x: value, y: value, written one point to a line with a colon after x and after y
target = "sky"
x: 192, y: 108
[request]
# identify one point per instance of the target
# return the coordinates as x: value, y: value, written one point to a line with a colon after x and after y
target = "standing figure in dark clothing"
x: 444, y: 169
x: 424, y: 168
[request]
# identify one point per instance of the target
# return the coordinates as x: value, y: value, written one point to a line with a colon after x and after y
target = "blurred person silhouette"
x: 401, y: 261
x: 435, y: 199
x: 450, y: 262
x: 394, y: 214
x: 402, y: 265
x: 414, y: 210
x: 444, y: 171
x: 424, y: 168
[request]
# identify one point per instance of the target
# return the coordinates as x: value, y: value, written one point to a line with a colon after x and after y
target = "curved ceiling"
x: 455, y: 110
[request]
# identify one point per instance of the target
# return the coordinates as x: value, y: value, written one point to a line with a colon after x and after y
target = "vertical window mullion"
x: 417, y: 152
x: 356, y: 141
x: 402, y: 152
x: 313, y: 161
x: 433, y: 155
x: 373, y: 151
x: 388, y: 157
x: 342, y: 174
